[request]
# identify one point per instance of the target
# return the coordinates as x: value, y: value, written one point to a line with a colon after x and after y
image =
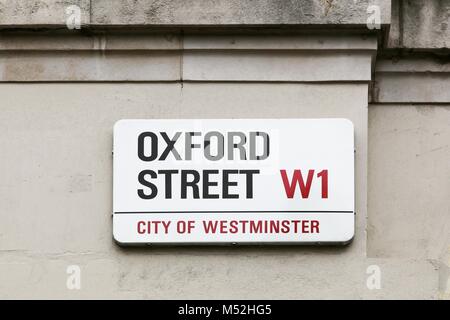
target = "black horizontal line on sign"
x: 236, y: 211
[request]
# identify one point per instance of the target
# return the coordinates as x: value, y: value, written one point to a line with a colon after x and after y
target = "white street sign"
x: 274, y: 181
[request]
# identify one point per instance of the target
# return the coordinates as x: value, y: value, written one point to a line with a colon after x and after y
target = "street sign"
x: 246, y: 181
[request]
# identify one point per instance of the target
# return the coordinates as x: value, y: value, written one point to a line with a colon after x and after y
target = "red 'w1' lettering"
x: 305, y: 188
x: 210, y: 226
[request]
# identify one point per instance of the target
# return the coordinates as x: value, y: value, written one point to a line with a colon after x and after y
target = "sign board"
x: 249, y: 181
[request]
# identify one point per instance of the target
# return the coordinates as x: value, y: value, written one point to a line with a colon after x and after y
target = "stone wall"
x: 62, y: 90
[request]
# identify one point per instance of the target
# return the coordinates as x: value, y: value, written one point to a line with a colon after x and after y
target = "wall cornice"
x: 148, y: 13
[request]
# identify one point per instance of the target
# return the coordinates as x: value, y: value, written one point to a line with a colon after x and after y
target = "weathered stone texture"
x: 412, y: 80
x: 23, y: 13
x: 421, y: 24
x: 409, y: 184
x: 109, y: 57
x: 235, y: 12
x: 193, y: 12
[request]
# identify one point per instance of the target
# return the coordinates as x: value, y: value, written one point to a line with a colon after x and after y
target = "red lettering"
x: 166, y: 225
x: 140, y: 227
x: 315, y: 226
x: 223, y: 226
x: 297, y: 178
x: 305, y: 226
x: 324, y: 176
x: 210, y: 226
x: 256, y: 227
x: 234, y: 226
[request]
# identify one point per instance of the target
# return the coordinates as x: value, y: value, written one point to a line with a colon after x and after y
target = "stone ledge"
x: 88, y: 66
x: 235, y: 12
x: 218, y: 65
x: 415, y: 65
x: 431, y: 88
x: 413, y: 80
x: 111, y: 41
x: 29, y: 13
x: 279, y: 67
x: 40, y: 13
x: 111, y: 57
x: 420, y: 24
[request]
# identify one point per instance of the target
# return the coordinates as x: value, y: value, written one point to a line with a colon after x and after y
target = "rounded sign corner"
x: 119, y: 123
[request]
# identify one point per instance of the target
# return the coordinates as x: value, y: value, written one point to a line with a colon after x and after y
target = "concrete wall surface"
x: 409, y: 184
x: 56, y: 200
x: 62, y: 91
x: 412, y: 148
x: 63, y: 134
